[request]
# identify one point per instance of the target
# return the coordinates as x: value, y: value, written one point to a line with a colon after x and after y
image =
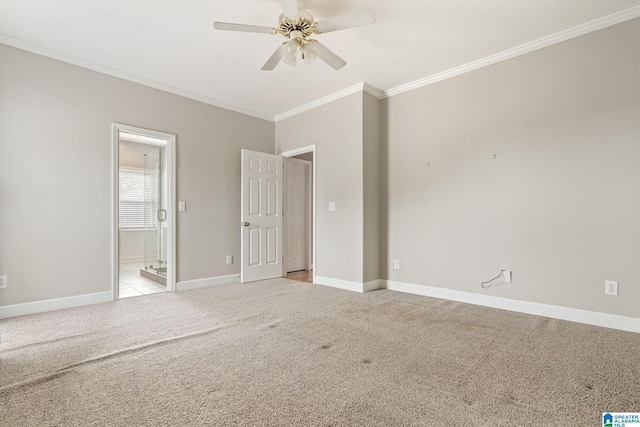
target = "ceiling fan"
x: 298, y: 26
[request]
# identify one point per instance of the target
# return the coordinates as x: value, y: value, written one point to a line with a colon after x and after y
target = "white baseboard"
x: 7, y: 311
x: 612, y: 321
x: 209, y: 281
x: 338, y: 283
x: 350, y: 286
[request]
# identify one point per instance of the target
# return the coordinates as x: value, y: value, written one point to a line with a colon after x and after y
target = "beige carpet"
x: 288, y: 353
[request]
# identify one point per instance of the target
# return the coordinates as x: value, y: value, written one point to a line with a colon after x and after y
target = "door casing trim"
x: 170, y: 152
x: 314, y: 167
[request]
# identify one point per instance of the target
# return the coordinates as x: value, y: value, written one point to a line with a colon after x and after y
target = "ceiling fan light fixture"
x: 308, y: 55
x: 290, y: 60
x: 292, y: 48
x: 291, y: 52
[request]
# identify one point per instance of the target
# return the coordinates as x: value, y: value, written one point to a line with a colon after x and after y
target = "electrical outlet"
x: 332, y: 206
x: 3, y: 282
x: 611, y: 287
x: 396, y: 264
x: 229, y: 259
x: 506, y: 276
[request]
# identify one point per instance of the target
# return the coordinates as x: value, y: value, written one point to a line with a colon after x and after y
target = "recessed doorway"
x: 144, y: 218
x: 299, y: 214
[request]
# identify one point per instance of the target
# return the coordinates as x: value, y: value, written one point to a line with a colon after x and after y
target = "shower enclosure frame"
x: 170, y: 150
x: 155, y: 215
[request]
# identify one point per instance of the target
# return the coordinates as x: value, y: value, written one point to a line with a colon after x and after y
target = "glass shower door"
x: 155, y: 214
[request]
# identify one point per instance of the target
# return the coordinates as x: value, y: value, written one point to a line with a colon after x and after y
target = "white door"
x: 261, y: 210
x: 295, y: 215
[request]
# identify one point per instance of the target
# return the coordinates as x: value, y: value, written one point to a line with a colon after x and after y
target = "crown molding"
x: 373, y: 91
x: 562, y: 36
x: 54, y: 54
x: 359, y: 87
x: 321, y: 101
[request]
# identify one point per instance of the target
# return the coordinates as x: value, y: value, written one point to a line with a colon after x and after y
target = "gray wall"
x: 336, y: 128
x: 55, y: 175
x: 560, y: 203
x: 372, y: 178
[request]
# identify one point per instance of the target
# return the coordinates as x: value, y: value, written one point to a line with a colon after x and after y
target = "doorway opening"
x: 299, y: 214
x: 144, y: 218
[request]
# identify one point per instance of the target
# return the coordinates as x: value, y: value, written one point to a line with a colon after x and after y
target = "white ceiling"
x: 173, y: 46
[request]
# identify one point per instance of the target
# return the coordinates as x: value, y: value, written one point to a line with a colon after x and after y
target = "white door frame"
x: 314, y: 168
x: 170, y: 152
x: 308, y: 206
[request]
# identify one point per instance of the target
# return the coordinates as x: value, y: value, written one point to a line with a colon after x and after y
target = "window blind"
x: 138, y: 198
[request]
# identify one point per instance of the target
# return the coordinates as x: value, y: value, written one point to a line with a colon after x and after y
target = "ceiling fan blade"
x: 241, y: 27
x: 350, y: 20
x: 326, y: 55
x: 290, y: 8
x: 277, y: 56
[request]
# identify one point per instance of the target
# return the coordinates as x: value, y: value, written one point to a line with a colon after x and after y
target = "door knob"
x: 246, y: 224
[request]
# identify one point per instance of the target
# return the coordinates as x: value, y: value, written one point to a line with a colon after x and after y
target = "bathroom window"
x: 136, y: 198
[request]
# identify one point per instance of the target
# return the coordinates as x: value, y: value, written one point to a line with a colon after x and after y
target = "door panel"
x: 261, y: 198
x: 272, y: 246
x: 254, y: 196
x: 254, y: 247
x: 272, y: 197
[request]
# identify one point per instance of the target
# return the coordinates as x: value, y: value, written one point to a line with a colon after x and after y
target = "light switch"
x: 182, y: 206
x: 332, y: 206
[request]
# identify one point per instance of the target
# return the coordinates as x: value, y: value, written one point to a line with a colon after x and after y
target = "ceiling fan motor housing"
x: 304, y: 24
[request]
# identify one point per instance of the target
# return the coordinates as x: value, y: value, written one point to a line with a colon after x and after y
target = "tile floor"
x: 133, y: 285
